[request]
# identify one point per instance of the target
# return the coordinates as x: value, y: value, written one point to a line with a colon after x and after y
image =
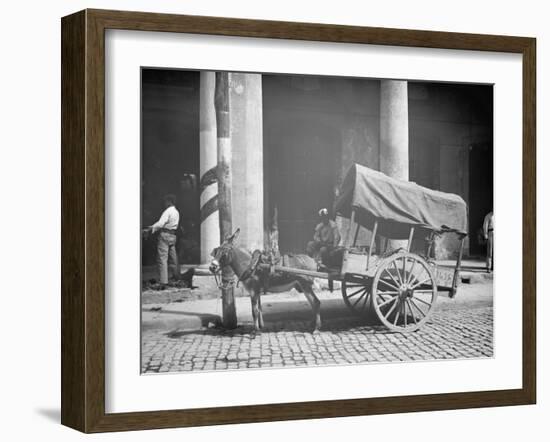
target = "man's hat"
x: 323, y: 212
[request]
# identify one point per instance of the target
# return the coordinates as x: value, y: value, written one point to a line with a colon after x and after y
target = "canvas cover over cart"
x: 385, y: 277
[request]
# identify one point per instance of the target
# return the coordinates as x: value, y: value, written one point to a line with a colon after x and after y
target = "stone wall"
x: 294, y: 138
x: 445, y: 123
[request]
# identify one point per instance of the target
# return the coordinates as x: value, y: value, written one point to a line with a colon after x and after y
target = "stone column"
x: 394, y: 134
x: 246, y: 121
x: 210, y: 229
x: 394, y: 129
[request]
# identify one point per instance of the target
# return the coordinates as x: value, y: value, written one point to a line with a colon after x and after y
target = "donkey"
x: 257, y: 279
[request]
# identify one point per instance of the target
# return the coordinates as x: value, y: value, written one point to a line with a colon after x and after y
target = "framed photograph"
x: 266, y: 221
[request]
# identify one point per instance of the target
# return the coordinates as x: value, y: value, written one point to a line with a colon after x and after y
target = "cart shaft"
x: 301, y: 272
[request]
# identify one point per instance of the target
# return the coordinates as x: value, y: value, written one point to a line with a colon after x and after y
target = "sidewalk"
x: 197, y: 314
x: 472, y: 271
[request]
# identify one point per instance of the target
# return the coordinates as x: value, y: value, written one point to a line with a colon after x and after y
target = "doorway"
x: 302, y: 159
x: 170, y: 149
x: 480, y: 193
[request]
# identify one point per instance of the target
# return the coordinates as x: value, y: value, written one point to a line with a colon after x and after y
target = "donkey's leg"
x: 254, y: 297
x: 314, y: 302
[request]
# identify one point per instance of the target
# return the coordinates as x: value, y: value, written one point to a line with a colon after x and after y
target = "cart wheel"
x: 356, y: 294
x: 404, y: 292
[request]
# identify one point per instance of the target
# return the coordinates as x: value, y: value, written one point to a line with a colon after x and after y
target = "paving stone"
x: 450, y: 335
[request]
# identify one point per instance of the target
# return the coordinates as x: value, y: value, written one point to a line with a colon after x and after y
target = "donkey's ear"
x: 235, y: 235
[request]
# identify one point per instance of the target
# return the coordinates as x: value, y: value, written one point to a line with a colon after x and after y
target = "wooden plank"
x: 295, y: 271
x: 73, y: 255
x: 409, y: 242
x: 357, y: 228
x: 146, y: 21
x: 351, y: 222
x: 457, y: 268
x: 372, y: 239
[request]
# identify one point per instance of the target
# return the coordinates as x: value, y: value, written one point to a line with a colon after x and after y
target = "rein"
x: 228, y: 283
x: 224, y: 285
x: 249, y: 272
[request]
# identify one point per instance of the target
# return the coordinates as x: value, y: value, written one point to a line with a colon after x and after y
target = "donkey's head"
x: 222, y: 256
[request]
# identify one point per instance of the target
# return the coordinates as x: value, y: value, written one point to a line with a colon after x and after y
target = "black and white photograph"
x: 298, y: 221
x: 275, y: 221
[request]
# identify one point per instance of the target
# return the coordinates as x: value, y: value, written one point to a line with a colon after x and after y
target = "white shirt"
x: 169, y: 219
x: 488, y: 223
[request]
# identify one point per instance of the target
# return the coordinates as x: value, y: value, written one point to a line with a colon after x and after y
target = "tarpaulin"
x: 399, y: 205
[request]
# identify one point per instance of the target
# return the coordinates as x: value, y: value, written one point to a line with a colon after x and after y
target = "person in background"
x: 325, y: 239
x: 488, y: 226
x: 167, y: 226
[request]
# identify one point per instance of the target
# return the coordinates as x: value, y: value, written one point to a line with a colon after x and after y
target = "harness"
x: 261, y: 263
x: 258, y: 263
x: 223, y: 285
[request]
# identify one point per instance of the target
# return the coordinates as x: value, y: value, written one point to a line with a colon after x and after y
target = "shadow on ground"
x: 297, y: 324
x: 51, y: 414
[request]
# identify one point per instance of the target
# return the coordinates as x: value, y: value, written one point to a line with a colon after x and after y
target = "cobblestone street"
x: 462, y: 332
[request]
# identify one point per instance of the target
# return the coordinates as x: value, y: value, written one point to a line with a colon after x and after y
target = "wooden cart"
x: 388, y: 277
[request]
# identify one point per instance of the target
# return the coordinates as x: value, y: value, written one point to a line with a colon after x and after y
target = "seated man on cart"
x: 324, y: 247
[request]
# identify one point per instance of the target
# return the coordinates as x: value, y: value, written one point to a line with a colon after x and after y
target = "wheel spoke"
x: 398, y: 274
x: 386, y: 302
x: 405, y: 313
x: 383, y: 296
x: 397, y: 314
x: 422, y: 301
x: 362, y: 289
x: 416, y: 278
x: 418, y: 308
x: 393, y: 279
x: 359, y: 299
x: 388, y: 313
x: 411, y: 275
x: 366, y: 301
x: 388, y: 284
x: 421, y: 282
x: 412, y: 313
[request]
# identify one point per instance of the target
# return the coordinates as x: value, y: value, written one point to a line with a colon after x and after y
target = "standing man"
x: 488, y: 226
x: 325, y: 238
x: 167, y: 227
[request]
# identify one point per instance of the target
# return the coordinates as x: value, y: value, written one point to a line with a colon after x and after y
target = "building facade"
x: 294, y: 137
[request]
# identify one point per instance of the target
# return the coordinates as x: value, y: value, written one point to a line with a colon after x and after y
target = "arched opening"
x: 301, y: 174
x: 170, y: 156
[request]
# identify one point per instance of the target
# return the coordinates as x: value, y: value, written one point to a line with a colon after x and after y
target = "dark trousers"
x: 328, y: 254
x: 489, y: 259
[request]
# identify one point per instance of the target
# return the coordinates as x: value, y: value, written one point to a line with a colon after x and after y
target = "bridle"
x: 221, y: 254
x: 224, y: 255
x: 221, y: 284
